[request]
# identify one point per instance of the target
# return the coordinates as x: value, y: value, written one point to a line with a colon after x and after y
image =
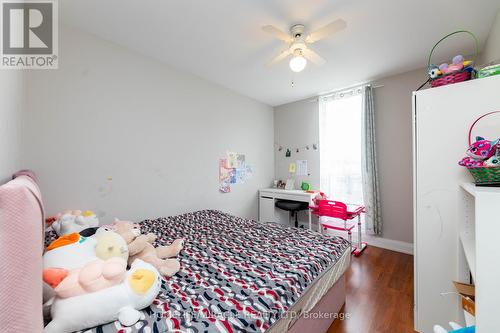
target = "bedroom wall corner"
x: 12, y: 103
x: 491, y: 50
x: 298, y: 123
x: 129, y: 136
x: 393, y: 107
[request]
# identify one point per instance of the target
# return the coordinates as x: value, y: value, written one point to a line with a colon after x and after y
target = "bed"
x: 239, y: 275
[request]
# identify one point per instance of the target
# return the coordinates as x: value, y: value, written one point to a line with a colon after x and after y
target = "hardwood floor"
x: 379, y: 294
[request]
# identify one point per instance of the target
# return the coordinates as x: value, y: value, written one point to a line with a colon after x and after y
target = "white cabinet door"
x: 266, y: 209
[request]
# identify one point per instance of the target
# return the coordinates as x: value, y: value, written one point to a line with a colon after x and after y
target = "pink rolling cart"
x: 346, y: 219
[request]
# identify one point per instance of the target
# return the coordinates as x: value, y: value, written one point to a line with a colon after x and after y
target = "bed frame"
x: 331, y: 303
x: 21, y: 245
x: 320, y: 305
x: 29, y: 208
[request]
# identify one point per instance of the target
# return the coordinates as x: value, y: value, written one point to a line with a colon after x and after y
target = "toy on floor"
x: 455, y: 329
x: 94, y: 276
x: 72, y: 221
x: 141, y: 247
x: 121, y: 302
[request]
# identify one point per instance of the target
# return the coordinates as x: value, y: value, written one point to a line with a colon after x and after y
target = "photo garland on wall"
x: 233, y: 170
x: 288, y: 150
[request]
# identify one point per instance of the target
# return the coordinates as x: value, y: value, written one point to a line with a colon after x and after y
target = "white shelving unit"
x: 479, y: 228
x: 456, y: 226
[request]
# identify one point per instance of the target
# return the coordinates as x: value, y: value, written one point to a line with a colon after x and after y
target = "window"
x: 340, y: 147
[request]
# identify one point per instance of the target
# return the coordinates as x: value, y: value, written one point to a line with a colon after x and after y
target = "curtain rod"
x: 316, y: 98
x: 350, y: 88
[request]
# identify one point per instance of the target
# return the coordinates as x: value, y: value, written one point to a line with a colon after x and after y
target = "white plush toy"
x: 74, y: 221
x: 70, y: 252
x: 121, y: 302
x: 75, y: 251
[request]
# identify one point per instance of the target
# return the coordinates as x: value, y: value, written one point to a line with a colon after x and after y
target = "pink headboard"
x: 21, y: 246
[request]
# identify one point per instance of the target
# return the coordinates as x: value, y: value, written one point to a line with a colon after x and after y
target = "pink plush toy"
x: 318, y: 197
x: 94, y: 276
x: 479, y: 151
x: 482, y: 149
x: 470, y: 162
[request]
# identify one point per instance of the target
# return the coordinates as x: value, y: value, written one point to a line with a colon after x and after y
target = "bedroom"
x: 168, y: 114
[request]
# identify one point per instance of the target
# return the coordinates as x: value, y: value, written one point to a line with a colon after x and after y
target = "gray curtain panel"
x: 371, y: 192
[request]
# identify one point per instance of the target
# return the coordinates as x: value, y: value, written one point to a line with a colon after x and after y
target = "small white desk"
x: 268, y: 196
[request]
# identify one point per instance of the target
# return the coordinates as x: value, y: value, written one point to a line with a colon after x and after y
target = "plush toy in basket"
x: 459, y: 70
x: 483, y: 158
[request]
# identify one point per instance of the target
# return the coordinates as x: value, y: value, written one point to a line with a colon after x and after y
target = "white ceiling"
x: 222, y: 40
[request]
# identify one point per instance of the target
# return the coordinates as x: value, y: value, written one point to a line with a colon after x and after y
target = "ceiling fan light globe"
x: 297, y: 64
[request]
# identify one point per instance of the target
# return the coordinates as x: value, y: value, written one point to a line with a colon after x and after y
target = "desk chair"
x: 347, y: 215
x: 292, y: 207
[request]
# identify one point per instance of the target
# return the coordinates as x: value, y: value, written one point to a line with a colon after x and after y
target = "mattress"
x: 238, y: 275
x: 313, y: 294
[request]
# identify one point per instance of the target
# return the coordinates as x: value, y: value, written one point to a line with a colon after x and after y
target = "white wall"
x: 393, y: 107
x: 298, y: 122
x: 11, y: 104
x: 491, y: 50
x: 295, y: 125
x: 109, y: 112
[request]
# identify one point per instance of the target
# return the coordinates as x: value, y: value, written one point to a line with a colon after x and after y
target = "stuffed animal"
x: 482, y: 149
x: 75, y: 251
x: 73, y: 221
x: 70, y: 252
x: 470, y: 162
x: 318, y: 197
x: 455, y: 329
x: 110, y: 245
x: 121, y: 302
x: 141, y: 247
x: 458, y: 63
x: 434, y: 71
x: 94, y: 276
x: 493, y: 161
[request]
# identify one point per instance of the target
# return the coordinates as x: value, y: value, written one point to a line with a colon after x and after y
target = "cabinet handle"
x: 262, y: 197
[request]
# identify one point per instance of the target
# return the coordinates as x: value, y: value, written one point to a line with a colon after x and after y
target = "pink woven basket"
x: 463, y: 75
x: 451, y: 78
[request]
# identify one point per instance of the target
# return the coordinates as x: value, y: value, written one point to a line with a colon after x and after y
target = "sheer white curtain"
x: 341, y: 146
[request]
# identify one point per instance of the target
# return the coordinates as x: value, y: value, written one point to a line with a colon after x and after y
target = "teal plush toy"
x: 456, y: 329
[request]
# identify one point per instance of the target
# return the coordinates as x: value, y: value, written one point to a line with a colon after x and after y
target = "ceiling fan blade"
x: 279, y: 57
x: 327, y: 30
x: 313, y: 57
x: 280, y: 34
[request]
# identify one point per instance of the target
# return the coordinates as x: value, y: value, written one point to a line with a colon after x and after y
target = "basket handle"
x: 475, y: 122
x: 476, y: 44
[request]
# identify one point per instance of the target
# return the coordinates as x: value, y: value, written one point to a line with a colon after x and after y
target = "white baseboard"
x: 389, y: 244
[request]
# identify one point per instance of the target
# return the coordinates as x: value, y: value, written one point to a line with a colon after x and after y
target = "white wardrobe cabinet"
x: 441, y: 120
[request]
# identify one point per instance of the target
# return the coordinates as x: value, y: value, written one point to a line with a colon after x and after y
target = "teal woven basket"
x: 484, y: 175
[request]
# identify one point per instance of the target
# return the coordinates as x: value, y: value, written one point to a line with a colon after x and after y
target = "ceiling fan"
x: 298, y: 43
